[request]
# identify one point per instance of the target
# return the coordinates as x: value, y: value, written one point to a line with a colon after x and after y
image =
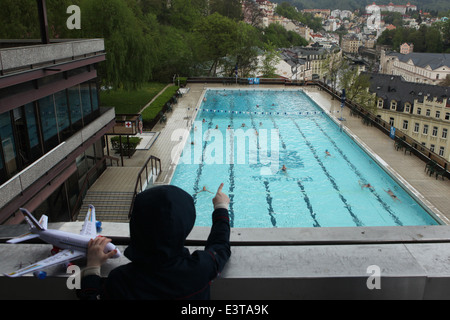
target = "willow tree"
x: 129, y: 60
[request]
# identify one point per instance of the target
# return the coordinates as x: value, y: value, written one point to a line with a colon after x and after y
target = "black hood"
x: 162, y: 218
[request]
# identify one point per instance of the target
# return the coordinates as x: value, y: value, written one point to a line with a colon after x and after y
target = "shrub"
x: 133, y: 143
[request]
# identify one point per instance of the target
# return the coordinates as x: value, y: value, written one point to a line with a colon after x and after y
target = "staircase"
x: 109, y: 206
x: 114, y: 191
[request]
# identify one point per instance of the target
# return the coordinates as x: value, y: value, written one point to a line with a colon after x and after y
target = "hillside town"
x: 411, y: 89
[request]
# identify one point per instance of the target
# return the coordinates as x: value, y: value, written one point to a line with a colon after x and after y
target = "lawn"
x: 152, y: 110
x: 130, y: 101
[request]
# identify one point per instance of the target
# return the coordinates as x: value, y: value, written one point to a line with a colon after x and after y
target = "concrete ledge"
x: 413, y: 271
x: 306, y: 263
x: 18, y: 57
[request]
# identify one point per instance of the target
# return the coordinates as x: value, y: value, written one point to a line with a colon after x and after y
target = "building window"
x: 86, y: 103
x: 393, y: 105
x: 416, y: 127
x: 391, y: 121
x: 432, y: 146
x: 425, y: 129
x: 33, y: 131
x: 8, y: 144
x: 428, y: 112
x: 62, y: 114
x: 405, y: 124
x: 444, y: 133
x: 438, y: 114
x: 441, y: 151
x: 435, y: 132
x: 76, y: 114
x: 419, y: 111
x: 48, y: 122
x: 94, y: 96
x: 380, y: 103
x: 447, y: 116
x: 407, y: 107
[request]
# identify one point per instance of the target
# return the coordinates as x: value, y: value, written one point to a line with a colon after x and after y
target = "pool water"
x: 316, y: 190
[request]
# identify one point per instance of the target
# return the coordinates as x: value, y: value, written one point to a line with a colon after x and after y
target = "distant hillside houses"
x: 261, y: 13
x: 304, y: 63
x: 403, y: 9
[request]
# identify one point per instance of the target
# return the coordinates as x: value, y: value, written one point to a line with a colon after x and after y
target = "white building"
x: 403, y: 9
x: 430, y: 68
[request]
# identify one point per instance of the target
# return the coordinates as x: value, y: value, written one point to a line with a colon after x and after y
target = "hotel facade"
x: 418, y: 110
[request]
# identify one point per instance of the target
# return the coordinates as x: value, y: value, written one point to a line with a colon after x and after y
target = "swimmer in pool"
x: 393, y: 196
x: 365, y: 185
x: 204, y: 189
x: 327, y: 153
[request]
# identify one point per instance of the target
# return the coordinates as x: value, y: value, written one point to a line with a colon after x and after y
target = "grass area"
x: 152, y: 110
x: 130, y: 101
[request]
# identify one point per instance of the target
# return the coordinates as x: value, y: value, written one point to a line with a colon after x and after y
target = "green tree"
x: 356, y: 87
x: 270, y: 60
x: 246, y: 50
x: 129, y: 62
x: 331, y: 67
x: 281, y: 38
x: 228, y: 8
x: 217, y: 38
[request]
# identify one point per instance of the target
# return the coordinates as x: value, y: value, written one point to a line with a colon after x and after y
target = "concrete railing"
x: 34, y: 55
x: 301, y: 263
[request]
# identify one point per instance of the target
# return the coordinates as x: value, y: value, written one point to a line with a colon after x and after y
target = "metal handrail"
x: 154, y: 162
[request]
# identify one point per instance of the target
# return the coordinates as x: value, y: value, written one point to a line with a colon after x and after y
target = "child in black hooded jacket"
x: 161, y: 267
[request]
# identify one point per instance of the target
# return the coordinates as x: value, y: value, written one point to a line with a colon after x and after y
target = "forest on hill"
x: 147, y: 40
x: 435, y: 5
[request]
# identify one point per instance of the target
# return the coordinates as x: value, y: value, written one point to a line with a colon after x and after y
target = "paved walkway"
x: 407, y: 168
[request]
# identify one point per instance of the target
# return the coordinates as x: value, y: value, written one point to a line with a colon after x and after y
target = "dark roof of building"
x: 421, y: 59
x: 389, y: 87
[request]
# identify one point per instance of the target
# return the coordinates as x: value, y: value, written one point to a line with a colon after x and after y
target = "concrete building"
x: 421, y: 111
x: 391, y: 8
x: 429, y: 68
x: 351, y: 43
x: 51, y: 125
x: 406, y: 48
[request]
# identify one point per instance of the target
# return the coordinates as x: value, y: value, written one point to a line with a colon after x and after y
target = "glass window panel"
x: 31, y: 125
x: 85, y: 99
x: 62, y: 110
x: 8, y: 144
x: 94, y: 96
x: 2, y: 171
x: 33, y: 131
x: 75, y: 104
x: 48, y: 122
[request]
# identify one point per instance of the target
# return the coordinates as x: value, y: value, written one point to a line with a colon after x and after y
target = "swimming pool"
x: 244, y: 137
